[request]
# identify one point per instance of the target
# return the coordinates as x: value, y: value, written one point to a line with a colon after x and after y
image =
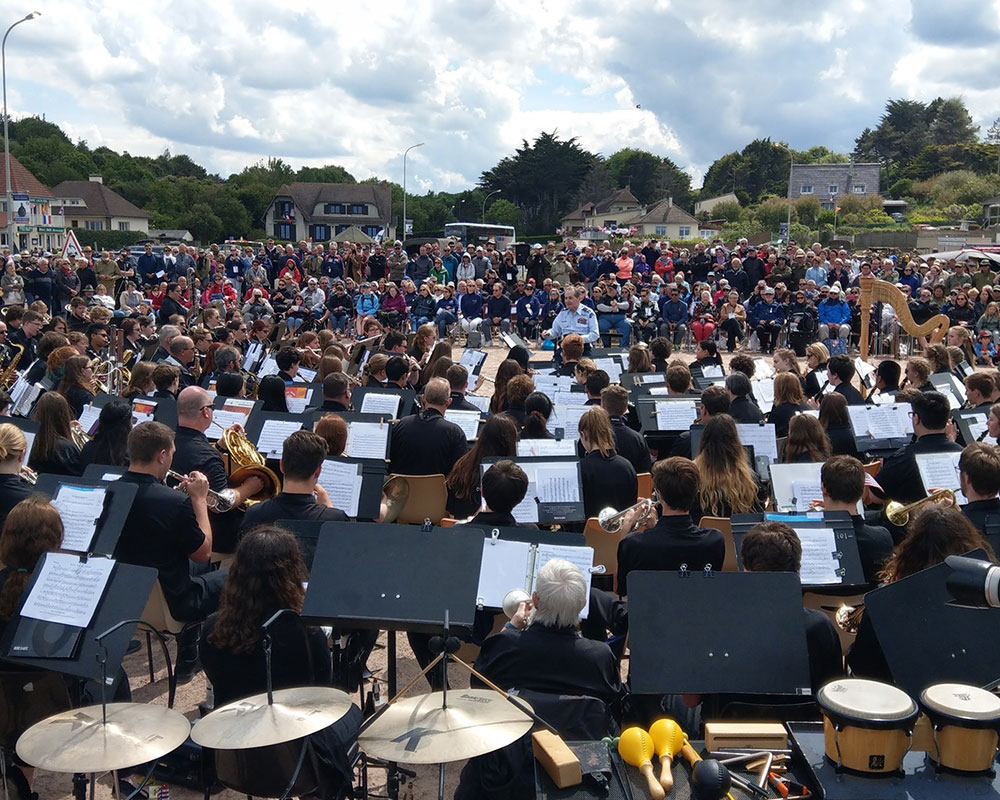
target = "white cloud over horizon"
x: 230, y: 83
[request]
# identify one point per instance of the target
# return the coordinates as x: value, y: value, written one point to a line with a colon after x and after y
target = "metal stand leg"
x: 440, y: 781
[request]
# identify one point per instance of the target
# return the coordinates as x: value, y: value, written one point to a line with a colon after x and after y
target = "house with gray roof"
x: 319, y: 211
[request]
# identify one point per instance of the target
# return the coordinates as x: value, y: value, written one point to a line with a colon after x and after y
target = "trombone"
x: 899, y: 514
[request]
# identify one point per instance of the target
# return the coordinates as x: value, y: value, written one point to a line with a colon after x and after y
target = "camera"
x: 973, y: 583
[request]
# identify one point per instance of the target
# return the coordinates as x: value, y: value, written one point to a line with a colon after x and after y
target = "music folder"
x: 390, y: 577
x: 667, y: 414
x: 704, y: 632
x: 111, y: 517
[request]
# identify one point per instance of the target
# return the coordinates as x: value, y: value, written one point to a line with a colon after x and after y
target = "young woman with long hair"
x: 507, y: 370
x: 272, y: 392
x: 440, y: 350
x: 53, y: 450
x: 12, y: 455
x: 728, y: 485
x: 32, y: 528
x: 816, y: 357
x: 639, y: 360
x: 807, y: 441
x: 788, y: 401
x: 836, y: 422
x: 374, y: 370
x: 77, y: 384
x: 609, y: 480
x: 110, y: 443
x: 537, y: 410
x: 498, y: 438
x: 140, y: 381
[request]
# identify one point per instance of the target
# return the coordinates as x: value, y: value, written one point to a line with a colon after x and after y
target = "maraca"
x: 636, y: 747
x: 668, y: 738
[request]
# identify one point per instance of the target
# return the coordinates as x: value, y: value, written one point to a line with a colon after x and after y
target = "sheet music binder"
x: 373, y: 474
x: 256, y: 422
x: 118, y: 504
x: 646, y: 406
x: 550, y: 512
x: 864, y: 441
x: 407, y: 399
x: 702, y: 632
x: 850, y: 570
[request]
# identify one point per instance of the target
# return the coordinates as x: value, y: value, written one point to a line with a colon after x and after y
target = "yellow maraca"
x: 636, y: 747
x: 668, y: 739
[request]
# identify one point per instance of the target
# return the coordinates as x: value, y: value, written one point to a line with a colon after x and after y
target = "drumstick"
x: 636, y: 746
x: 667, y: 740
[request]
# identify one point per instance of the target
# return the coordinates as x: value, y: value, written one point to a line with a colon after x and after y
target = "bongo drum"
x: 867, y: 725
x: 965, y: 720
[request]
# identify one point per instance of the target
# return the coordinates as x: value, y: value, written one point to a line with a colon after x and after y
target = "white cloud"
x: 232, y: 82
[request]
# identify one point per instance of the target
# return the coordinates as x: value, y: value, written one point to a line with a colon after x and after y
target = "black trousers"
x: 767, y: 336
x: 734, y: 332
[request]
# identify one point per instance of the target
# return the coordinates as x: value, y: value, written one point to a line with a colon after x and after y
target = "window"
x: 833, y: 189
x: 342, y: 228
x: 610, y: 223
x: 94, y: 225
x: 859, y: 188
x: 371, y: 230
x: 359, y: 208
x: 335, y: 208
x: 123, y: 226
x: 319, y: 233
x: 284, y: 230
x: 806, y: 188
x: 661, y: 230
x: 283, y: 209
x: 684, y: 231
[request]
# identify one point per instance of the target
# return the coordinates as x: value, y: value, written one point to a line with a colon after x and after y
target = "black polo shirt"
x: 290, y: 506
x: 607, y: 482
x: 330, y: 407
x: 12, y: 491
x: 745, y: 411
x: 978, y: 511
x: 668, y: 544
x: 195, y: 452
x: 874, y: 547
x: 161, y: 531
x: 899, y: 476
x: 852, y: 395
x: 425, y: 444
x: 459, y: 403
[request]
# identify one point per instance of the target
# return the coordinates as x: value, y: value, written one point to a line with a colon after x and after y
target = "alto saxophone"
x: 11, y: 371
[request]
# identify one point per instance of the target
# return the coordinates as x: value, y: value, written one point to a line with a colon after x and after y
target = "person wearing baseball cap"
x: 834, y: 313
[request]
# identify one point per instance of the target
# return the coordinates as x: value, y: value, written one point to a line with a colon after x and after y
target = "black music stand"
x: 124, y: 599
x: 849, y: 568
x: 116, y: 509
x: 373, y: 474
x: 165, y: 411
x: 102, y: 472
x: 926, y: 640
x: 551, y: 512
x: 646, y: 406
x: 473, y: 360
x: 865, y: 443
x: 965, y: 418
x: 255, y: 424
x: 407, y: 400
x: 307, y: 532
x: 726, y: 632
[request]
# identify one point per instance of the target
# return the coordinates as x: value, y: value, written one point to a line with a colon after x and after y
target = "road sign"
x: 71, y: 247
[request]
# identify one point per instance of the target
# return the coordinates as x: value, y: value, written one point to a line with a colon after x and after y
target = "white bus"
x: 476, y: 233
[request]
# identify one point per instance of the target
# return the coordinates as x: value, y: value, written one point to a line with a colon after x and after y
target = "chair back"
x: 725, y: 525
x: 157, y: 614
x: 645, y: 482
x: 427, y: 499
x: 447, y: 522
x: 27, y: 697
x: 266, y: 771
x: 829, y: 604
x: 873, y: 467
x: 605, y: 545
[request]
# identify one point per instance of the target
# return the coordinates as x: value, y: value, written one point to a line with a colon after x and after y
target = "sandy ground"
x: 425, y: 785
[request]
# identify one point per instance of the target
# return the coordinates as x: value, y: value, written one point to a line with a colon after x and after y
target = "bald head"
x: 191, y: 408
x: 437, y: 394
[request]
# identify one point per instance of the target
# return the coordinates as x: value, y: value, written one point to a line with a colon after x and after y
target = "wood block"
x: 558, y: 760
x: 761, y: 735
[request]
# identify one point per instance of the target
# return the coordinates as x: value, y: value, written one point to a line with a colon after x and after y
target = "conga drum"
x: 867, y: 725
x: 965, y: 720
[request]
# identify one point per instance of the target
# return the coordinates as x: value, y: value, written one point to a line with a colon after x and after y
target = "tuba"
x: 249, y: 463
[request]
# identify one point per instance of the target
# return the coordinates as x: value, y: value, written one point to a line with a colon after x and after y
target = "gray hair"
x: 562, y: 594
x: 168, y: 332
x: 227, y: 358
x: 738, y: 384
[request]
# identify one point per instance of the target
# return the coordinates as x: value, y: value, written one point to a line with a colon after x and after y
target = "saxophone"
x: 10, y: 374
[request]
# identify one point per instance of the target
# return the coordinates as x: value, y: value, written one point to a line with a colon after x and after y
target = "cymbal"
x: 251, y: 722
x: 417, y: 730
x: 78, y: 741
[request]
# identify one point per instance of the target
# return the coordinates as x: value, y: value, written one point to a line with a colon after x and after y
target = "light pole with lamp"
x: 407, y: 150
x: 6, y: 138
x: 791, y: 166
x: 495, y: 191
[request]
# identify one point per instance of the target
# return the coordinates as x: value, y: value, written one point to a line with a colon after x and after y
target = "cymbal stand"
x: 446, y: 646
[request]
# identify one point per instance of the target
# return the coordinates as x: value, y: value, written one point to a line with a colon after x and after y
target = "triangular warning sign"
x: 71, y: 247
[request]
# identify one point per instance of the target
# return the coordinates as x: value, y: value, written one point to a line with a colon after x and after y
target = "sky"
x: 320, y: 82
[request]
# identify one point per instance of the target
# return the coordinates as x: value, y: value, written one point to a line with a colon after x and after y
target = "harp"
x: 876, y: 291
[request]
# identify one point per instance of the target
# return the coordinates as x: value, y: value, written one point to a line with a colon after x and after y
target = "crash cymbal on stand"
x: 253, y: 723
x: 79, y: 741
x: 417, y: 730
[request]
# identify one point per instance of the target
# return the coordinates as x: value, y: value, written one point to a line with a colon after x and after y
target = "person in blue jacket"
x: 673, y: 313
x: 767, y: 318
x: 834, y: 311
x: 529, y: 312
x: 470, y: 303
x: 366, y: 305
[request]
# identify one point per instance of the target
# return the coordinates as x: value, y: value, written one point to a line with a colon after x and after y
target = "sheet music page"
x: 762, y: 368
x: 546, y: 447
x: 885, y: 423
x: 273, y: 433
x: 940, y: 471
x: 88, y: 417
x: 381, y: 403
x: 472, y: 360
x: 804, y: 492
x: 712, y: 371
x: 564, y: 398
x: 610, y: 366
x: 468, y: 421
x: 297, y: 397
x: 863, y: 368
x: 253, y: 355
x: 786, y: 477
x: 482, y: 403
x: 859, y: 420
x: 819, y: 567
x: 143, y: 411
x: 659, y: 391
x: 883, y: 399
x: 269, y: 367
x: 568, y: 418
x: 674, y: 415
x: 553, y: 383
x: 504, y: 567
x: 306, y: 375
x: 367, y: 440
x: 110, y: 476
x: 18, y: 389
x: 763, y: 392
x: 582, y: 557
x: 29, y: 438
x: 761, y: 437
x: 655, y: 377
x: 234, y: 411
x: 977, y: 427
x: 558, y: 482
x: 903, y: 412
x: 80, y: 507
x: 342, y: 482
x: 68, y: 590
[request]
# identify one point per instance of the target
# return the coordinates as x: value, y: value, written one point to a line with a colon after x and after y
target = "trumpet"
x: 28, y: 475
x: 219, y: 502
x: 848, y: 618
x: 611, y: 520
x: 899, y: 514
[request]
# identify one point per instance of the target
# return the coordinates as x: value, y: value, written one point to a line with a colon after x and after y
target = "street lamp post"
x: 6, y: 138
x: 407, y: 150
x: 495, y: 191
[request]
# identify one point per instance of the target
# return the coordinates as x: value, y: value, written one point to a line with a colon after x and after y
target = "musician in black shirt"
x: 629, y: 444
x: 840, y: 372
x: 336, y: 394
x: 13, y: 451
x: 301, y: 496
x: 427, y: 443
x: 458, y: 380
x: 979, y: 477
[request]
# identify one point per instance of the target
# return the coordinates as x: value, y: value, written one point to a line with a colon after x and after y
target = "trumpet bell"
x: 899, y: 514
x: 395, y: 493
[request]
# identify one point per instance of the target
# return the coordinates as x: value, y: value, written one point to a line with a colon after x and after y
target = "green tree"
x: 729, y: 210
x: 504, y: 212
x: 329, y: 173
x: 807, y: 209
x: 772, y: 212
x: 952, y: 123
x: 761, y: 168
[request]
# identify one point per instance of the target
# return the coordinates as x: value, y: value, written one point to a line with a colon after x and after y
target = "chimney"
x: 670, y: 202
x: 96, y: 179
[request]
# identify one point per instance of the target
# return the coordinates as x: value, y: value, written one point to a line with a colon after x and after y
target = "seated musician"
x: 301, y: 497
x: 595, y: 383
x: 727, y: 485
x: 674, y: 539
x: 571, y: 348
x: 268, y: 574
x: 715, y: 400
x: 887, y: 378
x: 609, y: 480
x: 170, y: 531
x: 288, y: 360
x: 899, y: 477
x: 629, y: 443
x: 167, y: 380
x: 741, y: 405
x: 840, y: 372
x: 336, y: 394
x: 843, y: 483
x: 458, y: 380
x: 196, y: 453
x: 979, y: 388
x: 13, y: 452
x: 230, y: 384
x: 979, y: 477
x: 427, y: 443
x: 504, y: 486
x: 918, y: 374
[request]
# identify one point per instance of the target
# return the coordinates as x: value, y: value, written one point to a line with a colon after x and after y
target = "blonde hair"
x: 787, y: 389
x: 788, y: 356
x: 724, y: 475
x: 596, y: 424
x: 12, y: 441
x: 818, y: 350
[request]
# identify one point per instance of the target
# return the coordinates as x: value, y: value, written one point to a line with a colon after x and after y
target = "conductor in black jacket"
x: 427, y: 443
x: 979, y: 477
x: 840, y: 372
